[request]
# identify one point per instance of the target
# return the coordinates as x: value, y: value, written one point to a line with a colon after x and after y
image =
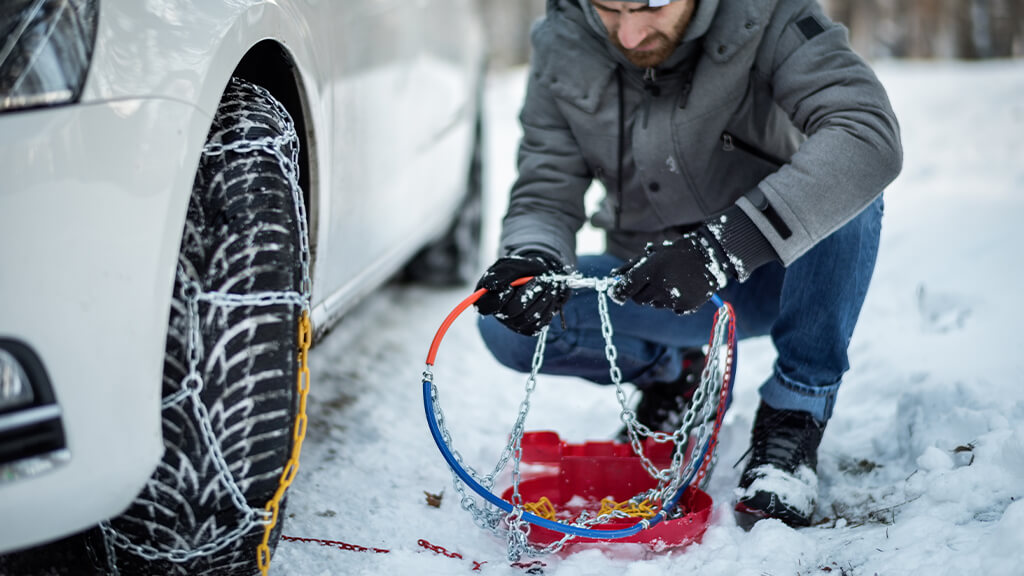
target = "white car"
x: 180, y: 183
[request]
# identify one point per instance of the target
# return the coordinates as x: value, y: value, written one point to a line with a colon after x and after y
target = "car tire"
x: 241, y: 237
x: 454, y: 258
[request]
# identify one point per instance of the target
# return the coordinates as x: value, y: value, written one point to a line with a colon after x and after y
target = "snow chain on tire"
x: 235, y: 390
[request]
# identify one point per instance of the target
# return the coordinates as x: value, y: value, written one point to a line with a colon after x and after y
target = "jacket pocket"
x: 731, y: 143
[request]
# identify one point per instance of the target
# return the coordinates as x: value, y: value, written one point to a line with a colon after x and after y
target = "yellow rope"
x: 629, y: 508
x: 546, y: 510
x: 298, y: 435
x: 543, y: 508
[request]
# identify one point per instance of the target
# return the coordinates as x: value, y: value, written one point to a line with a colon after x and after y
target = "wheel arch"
x: 269, y: 65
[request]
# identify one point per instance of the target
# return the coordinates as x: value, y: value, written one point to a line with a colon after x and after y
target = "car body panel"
x: 99, y: 308
x: 94, y: 197
x: 360, y: 90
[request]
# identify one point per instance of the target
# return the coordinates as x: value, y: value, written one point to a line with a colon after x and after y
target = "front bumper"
x: 92, y: 204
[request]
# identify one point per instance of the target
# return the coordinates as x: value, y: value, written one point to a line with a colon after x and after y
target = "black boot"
x: 780, y: 480
x: 663, y: 404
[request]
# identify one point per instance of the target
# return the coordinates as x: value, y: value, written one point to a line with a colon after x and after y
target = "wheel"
x: 241, y: 237
x: 454, y: 258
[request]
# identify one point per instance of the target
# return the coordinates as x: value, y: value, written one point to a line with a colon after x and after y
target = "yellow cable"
x: 291, y: 468
x: 543, y: 508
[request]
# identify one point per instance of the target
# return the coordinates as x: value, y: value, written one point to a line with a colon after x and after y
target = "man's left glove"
x: 683, y: 274
x: 527, y: 308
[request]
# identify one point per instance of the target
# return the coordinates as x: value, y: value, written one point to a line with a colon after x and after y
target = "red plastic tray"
x: 575, y: 477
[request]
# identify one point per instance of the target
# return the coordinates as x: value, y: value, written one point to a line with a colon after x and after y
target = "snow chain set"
x: 649, y: 491
x: 191, y: 386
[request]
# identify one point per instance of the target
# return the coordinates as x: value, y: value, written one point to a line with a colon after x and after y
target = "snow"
x: 797, y: 491
x: 921, y: 470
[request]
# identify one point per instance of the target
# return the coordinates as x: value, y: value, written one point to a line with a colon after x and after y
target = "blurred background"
x: 879, y: 29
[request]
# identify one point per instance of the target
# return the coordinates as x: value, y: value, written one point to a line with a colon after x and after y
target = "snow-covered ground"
x: 922, y: 467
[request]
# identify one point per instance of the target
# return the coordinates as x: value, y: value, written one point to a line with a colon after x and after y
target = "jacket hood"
x: 698, y: 27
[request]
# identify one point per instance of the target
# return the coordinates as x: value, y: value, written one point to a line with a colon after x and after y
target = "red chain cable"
x: 423, y: 543
x: 443, y: 552
x: 438, y: 549
x: 335, y: 544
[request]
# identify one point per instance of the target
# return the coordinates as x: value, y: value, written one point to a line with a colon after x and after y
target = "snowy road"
x: 921, y: 468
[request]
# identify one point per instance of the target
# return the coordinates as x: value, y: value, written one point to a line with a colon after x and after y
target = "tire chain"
x: 705, y: 407
x: 192, y: 383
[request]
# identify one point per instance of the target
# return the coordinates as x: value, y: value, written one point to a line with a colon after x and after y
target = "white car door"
x: 401, y: 135
x: 373, y: 130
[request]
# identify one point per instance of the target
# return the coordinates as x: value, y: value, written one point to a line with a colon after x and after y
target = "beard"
x: 665, y: 46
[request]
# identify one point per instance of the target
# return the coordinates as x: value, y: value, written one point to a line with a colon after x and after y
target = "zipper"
x: 651, y: 91
x: 684, y: 98
x: 649, y: 77
x: 731, y: 142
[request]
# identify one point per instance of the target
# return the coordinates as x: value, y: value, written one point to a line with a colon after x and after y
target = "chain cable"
x: 192, y: 384
x: 697, y: 430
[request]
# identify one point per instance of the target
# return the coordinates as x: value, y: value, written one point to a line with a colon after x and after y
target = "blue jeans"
x: 810, y: 310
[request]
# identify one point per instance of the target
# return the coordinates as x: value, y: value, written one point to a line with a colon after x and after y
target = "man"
x: 744, y: 148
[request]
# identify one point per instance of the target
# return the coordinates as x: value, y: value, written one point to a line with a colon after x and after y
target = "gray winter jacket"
x: 770, y: 110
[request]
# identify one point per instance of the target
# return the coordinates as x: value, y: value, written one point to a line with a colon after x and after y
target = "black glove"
x: 681, y: 275
x: 527, y: 308
x: 685, y: 273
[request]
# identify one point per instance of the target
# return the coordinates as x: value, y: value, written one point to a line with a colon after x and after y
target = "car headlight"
x: 15, y: 390
x: 45, y: 49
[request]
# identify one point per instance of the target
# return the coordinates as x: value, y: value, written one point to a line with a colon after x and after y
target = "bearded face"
x: 646, y: 36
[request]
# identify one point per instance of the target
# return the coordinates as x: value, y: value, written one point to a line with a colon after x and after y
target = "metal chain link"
x: 192, y: 383
x: 487, y: 517
x: 705, y: 405
x: 273, y: 507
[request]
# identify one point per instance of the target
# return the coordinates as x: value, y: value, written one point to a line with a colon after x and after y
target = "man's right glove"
x: 527, y: 308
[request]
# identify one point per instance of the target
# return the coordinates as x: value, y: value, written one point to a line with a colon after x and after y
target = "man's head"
x: 646, y: 31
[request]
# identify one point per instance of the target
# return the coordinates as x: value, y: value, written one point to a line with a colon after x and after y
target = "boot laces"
x: 785, y: 447
x: 785, y: 440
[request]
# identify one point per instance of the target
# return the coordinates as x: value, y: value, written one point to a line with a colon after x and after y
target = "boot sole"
x: 764, y: 505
